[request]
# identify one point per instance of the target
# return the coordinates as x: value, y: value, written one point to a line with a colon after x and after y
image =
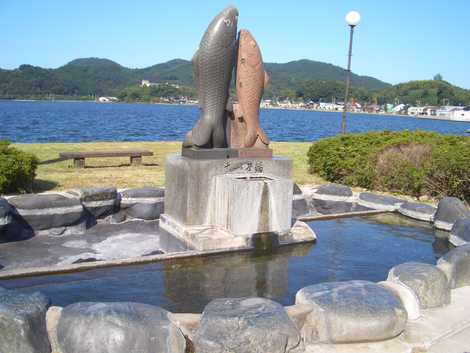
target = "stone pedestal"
x: 220, y: 203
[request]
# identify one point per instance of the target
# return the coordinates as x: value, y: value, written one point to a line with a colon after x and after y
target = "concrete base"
x: 221, y: 203
x: 208, y: 238
x: 189, y: 182
x: 203, y: 237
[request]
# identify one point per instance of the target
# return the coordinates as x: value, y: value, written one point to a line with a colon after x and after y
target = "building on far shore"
x: 147, y: 83
x: 416, y: 111
x: 107, y: 99
x: 460, y: 114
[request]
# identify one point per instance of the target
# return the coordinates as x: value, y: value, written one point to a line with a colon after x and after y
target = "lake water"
x: 89, y: 121
x: 350, y: 248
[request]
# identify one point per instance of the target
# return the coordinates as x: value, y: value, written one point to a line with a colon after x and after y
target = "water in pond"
x: 352, y: 248
x: 89, y: 121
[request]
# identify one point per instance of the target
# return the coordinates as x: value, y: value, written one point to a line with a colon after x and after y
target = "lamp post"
x: 352, y: 19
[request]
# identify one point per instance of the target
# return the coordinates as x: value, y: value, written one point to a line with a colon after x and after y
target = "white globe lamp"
x: 353, y: 18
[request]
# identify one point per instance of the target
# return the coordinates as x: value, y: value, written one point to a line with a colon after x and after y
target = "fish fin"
x: 237, y: 111
x: 266, y: 79
x: 263, y: 137
x: 260, y: 144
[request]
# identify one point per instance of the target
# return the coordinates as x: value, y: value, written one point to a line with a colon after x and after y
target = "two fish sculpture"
x: 222, y: 124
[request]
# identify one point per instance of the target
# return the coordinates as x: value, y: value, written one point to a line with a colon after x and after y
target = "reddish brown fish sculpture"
x: 250, y: 82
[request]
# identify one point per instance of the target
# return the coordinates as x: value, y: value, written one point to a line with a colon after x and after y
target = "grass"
x: 117, y: 171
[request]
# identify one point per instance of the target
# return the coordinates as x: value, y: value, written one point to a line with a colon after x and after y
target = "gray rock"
x: 449, y: 210
x: 144, y: 192
x: 100, y: 201
x: 23, y: 323
x: 427, y: 281
x: 297, y: 190
x: 301, y: 232
x: 332, y: 207
x: 328, y: 207
x: 460, y: 233
x: 300, y: 207
x: 118, y: 217
x: 146, y: 211
x: 143, y: 203
x: 117, y: 328
x: 335, y: 189
x: 379, y: 202
x: 456, y: 265
x: 45, y: 211
x: 245, y: 325
x: 353, y: 311
x: 5, y: 213
x: 418, y: 211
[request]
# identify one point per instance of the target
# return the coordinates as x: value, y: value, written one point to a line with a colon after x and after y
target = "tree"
x: 438, y: 77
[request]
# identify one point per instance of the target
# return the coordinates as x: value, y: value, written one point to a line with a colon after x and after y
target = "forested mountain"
x: 303, y: 79
x: 94, y: 76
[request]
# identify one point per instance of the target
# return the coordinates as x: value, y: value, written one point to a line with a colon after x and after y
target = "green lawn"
x: 117, y: 171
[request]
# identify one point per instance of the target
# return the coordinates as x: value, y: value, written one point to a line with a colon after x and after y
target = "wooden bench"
x: 79, y: 157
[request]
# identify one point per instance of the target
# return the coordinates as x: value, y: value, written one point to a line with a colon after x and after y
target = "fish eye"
x: 227, y: 22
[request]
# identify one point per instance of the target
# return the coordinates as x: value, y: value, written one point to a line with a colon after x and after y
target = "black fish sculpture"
x: 213, y: 64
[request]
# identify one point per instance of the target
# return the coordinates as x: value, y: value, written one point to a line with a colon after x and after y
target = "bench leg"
x: 136, y: 160
x: 79, y: 162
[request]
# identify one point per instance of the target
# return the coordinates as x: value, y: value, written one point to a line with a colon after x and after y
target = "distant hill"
x: 82, y: 77
x: 426, y: 92
x: 291, y: 74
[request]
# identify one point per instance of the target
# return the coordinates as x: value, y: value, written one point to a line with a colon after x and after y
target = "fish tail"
x: 250, y: 137
x: 202, y: 133
x: 188, y: 141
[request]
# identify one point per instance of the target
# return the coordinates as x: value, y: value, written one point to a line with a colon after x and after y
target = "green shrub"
x: 17, y: 169
x: 448, y: 172
x: 415, y: 163
x: 401, y: 168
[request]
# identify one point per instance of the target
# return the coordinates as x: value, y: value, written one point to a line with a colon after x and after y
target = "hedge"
x: 17, y: 169
x: 415, y: 163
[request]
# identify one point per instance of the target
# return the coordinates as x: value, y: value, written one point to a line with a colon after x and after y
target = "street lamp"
x: 352, y: 19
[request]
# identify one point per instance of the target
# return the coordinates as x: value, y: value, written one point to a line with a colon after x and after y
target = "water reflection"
x: 194, y: 282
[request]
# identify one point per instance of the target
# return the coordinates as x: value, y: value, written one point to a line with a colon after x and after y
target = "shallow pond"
x: 349, y: 248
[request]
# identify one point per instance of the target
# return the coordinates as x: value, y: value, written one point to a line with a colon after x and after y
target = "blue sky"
x: 397, y: 40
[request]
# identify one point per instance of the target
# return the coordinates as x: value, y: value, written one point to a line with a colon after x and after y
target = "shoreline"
x: 420, y: 117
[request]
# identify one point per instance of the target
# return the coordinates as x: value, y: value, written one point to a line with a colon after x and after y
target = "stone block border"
x: 72, y: 212
x: 360, y: 316
x: 334, y: 200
